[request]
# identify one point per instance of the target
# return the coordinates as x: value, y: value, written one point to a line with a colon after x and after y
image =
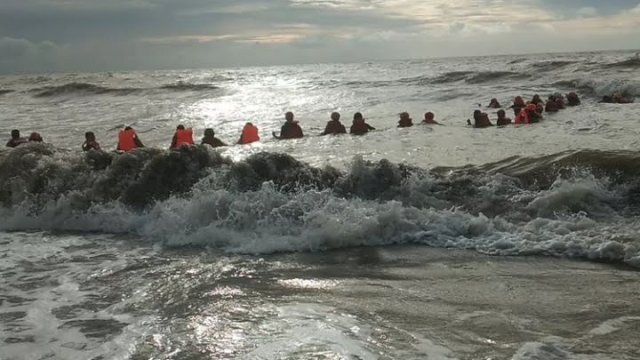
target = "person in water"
x: 211, y: 139
x: 502, y: 118
x: 528, y: 115
x: 573, y: 99
x: 429, y: 119
x: 128, y: 140
x: 359, y: 126
x: 16, y: 139
x: 616, y: 98
x: 291, y: 129
x: 518, y: 105
x: 182, y: 137
x: 480, y: 120
x: 559, y: 100
x: 405, y: 120
x: 551, y: 105
x: 35, y: 137
x: 249, y: 134
x: 494, y: 104
x: 90, y: 142
x: 334, y: 126
x: 537, y: 100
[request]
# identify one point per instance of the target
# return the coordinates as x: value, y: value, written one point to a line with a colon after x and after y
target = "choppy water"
x: 282, y: 249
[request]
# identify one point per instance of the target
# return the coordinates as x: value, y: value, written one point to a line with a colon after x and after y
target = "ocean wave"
x: 599, y: 88
x: 571, y: 204
x: 5, y: 91
x: 552, y: 65
x: 79, y: 88
x: 473, y: 77
x: 632, y: 62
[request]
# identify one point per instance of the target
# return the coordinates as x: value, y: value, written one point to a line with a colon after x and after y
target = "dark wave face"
x: 581, y: 204
x: 5, y: 91
x: 77, y: 88
x: 629, y: 63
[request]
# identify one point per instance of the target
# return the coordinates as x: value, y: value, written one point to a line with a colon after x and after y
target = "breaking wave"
x: 632, y: 62
x: 79, y: 88
x: 581, y: 204
x: 5, y: 91
x: 601, y: 88
x: 472, y: 77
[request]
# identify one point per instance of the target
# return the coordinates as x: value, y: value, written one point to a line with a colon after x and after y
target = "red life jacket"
x: 249, y: 135
x: 126, y: 140
x: 522, y: 118
x: 184, y: 137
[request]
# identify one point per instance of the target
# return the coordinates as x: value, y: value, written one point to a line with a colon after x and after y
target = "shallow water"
x: 437, y: 242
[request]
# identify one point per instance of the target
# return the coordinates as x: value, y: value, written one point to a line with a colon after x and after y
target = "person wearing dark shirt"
x: 551, y: 105
x: 359, y: 126
x: 15, y: 139
x: 494, y: 104
x: 405, y: 120
x: 90, y: 142
x: 480, y: 120
x: 518, y: 104
x: 334, y: 126
x: 211, y: 139
x: 573, y: 99
x: 290, y: 129
x: 502, y: 119
x: 429, y: 119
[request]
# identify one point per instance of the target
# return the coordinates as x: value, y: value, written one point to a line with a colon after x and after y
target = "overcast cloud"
x: 101, y: 35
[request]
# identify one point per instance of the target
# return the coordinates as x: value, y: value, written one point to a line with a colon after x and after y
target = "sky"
x: 111, y: 35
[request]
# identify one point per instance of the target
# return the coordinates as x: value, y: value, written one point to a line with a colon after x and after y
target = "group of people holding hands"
x: 525, y: 113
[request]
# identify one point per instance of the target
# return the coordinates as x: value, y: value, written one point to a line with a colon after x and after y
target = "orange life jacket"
x: 249, y: 134
x: 184, y: 137
x: 126, y: 140
x: 522, y: 118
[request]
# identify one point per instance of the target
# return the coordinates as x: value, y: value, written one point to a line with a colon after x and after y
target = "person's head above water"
x: 15, y: 134
x: 335, y: 116
x: 404, y: 116
x: 501, y: 114
x: 90, y: 136
x: 180, y: 127
x: 35, y: 137
x: 357, y: 116
x: 128, y: 128
x: 288, y: 116
x: 208, y: 132
x: 429, y: 116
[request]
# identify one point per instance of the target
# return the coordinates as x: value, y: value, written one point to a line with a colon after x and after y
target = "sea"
x: 429, y: 242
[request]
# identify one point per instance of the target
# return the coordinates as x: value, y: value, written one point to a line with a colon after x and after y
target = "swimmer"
x: 128, y: 140
x: 290, y: 130
x: 405, y: 120
x: 15, y: 139
x: 182, y: 137
x: 429, y: 119
x: 359, y: 126
x: 211, y: 139
x: 502, y: 119
x: 90, y: 142
x: 334, y: 126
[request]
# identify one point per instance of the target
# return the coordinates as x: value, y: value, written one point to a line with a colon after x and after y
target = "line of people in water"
x: 524, y: 112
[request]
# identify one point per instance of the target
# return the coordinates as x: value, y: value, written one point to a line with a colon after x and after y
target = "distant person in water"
x: 429, y: 119
x: 35, y: 137
x: 182, y: 137
x: 334, y: 126
x: 90, y: 142
x: 128, y: 140
x: 551, y: 106
x: 540, y: 109
x: 480, y: 120
x: 502, y: 118
x: 405, y: 120
x: 211, y: 139
x: 559, y: 100
x: 249, y: 134
x: 616, y: 98
x: 359, y: 126
x: 528, y: 115
x: 518, y: 105
x: 290, y: 130
x: 494, y: 104
x: 537, y: 100
x: 15, y: 139
x: 573, y: 99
